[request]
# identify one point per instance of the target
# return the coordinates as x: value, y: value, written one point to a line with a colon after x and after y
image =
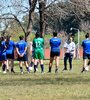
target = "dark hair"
x: 37, y: 34
x: 54, y: 34
x: 21, y: 37
x: 87, y: 35
x: 2, y: 39
x: 7, y: 40
x: 8, y: 37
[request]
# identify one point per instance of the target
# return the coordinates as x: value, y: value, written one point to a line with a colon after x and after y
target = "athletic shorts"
x: 53, y: 54
x: 3, y: 57
x: 86, y: 56
x: 39, y: 54
x: 24, y: 58
x: 10, y: 56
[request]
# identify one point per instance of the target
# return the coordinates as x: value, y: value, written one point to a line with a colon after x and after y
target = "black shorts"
x: 24, y: 58
x: 53, y: 54
x: 86, y: 56
x: 10, y: 56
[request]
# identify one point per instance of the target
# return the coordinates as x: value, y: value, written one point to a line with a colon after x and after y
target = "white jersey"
x: 70, y: 47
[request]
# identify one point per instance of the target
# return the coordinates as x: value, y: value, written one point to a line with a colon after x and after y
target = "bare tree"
x: 15, y: 10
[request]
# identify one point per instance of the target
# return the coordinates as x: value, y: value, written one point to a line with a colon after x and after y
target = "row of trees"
x: 44, y: 15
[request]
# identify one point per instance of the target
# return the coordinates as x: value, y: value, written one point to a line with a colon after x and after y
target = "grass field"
x: 69, y: 85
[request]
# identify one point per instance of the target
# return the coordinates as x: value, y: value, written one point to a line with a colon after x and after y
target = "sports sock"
x: 28, y: 69
x: 35, y: 66
x: 42, y: 67
x: 56, y: 70
x: 21, y: 69
x: 50, y: 69
x: 31, y: 64
x: 4, y: 67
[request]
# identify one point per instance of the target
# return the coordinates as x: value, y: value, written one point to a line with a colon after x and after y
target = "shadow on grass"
x: 30, y: 80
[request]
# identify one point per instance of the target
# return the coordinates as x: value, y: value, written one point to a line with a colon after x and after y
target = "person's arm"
x: 24, y: 50
x: 65, y: 48
x: 17, y: 51
x: 31, y: 48
x: 74, y: 55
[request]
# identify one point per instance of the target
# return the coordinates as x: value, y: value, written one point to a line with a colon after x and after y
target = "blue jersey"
x: 55, y: 44
x: 21, y: 45
x: 3, y: 48
x: 10, y: 47
x: 2, y: 51
x: 86, y: 46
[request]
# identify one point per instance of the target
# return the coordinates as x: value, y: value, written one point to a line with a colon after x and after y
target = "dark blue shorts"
x: 3, y: 57
x: 86, y: 56
x: 53, y: 54
x: 10, y: 56
x: 24, y: 58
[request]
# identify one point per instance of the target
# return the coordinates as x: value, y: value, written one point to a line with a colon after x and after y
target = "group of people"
x: 7, y: 48
x: 69, y: 53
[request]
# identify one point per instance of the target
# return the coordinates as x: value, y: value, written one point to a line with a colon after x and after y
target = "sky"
x: 5, y: 8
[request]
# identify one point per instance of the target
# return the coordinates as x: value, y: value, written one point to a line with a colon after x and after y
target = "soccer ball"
x: 86, y: 68
x: 30, y: 68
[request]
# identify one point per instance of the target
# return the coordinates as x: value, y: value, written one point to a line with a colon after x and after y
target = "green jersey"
x: 38, y: 43
x: 38, y: 46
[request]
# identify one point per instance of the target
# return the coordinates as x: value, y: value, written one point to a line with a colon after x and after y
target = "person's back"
x: 10, y: 47
x: 86, y: 46
x: 21, y: 45
x: 86, y: 52
x: 55, y: 44
x: 38, y: 46
x: 21, y: 48
x: 38, y: 43
x: 3, y: 48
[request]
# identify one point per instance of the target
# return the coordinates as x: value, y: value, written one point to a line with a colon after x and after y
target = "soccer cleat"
x: 43, y: 72
x: 12, y: 71
x: 7, y: 70
x: 37, y: 69
x: 4, y: 72
x: 56, y: 70
x: 83, y: 70
x: 70, y: 69
x: 64, y: 69
x: 49, y: 72
x: 21, y: 72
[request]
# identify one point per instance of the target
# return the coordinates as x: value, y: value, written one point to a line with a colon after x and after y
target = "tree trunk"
x: 42, y: 5
x: 32, y: 4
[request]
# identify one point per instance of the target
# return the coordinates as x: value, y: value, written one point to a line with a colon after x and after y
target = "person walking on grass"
x: 21, y: 48
x: 86, y: 53
x: 69, y: 50
x: 38, y: 47
x: 55, y: 43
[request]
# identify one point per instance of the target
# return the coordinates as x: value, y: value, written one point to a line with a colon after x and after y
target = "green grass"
x: 62, y: 86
